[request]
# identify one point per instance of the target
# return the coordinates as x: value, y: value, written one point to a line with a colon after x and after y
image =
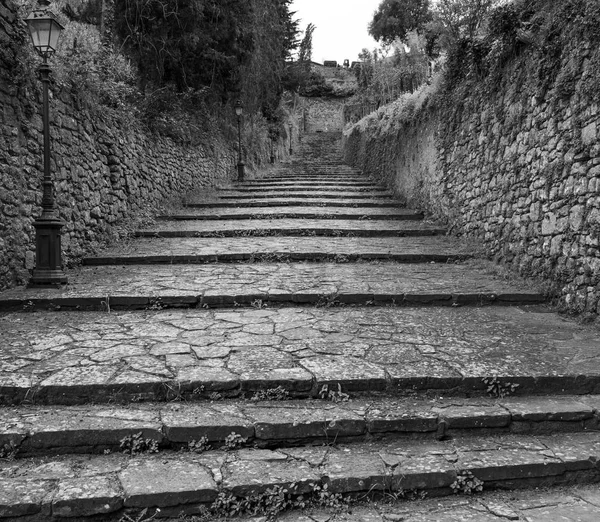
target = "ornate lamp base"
x: 48, y: 267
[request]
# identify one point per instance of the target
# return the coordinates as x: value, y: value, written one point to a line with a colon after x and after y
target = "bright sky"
x: 341, y: 26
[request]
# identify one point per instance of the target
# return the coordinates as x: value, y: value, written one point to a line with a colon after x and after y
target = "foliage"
x: 299, y: 76
x: 466, y: 483
x: 9, y: 450
x: 275, y: 500
x: 394, y: 19
x: 136, y: 444
x: 271, y: 394
x: 199, y: 446
x: 226, y: 46
x: 382, y: 80
x: 234, y: 441
x: 329, y: 394
x: 498, y: 389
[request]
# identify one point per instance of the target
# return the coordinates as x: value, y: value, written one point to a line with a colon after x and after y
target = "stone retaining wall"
x: 323, y: 114
x: 107, y: 168
x: 518, y: 168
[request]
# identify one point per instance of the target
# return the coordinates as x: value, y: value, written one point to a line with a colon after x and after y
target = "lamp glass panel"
x: 39, y: 29
x: 54, y: 35
x: 238, y: 111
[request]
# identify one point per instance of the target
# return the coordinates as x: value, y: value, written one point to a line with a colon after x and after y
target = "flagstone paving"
x: 302, y: 331
x: 305, y: 212
x: 290, y: 228
x: 228, y: 284
x: 76, y: 356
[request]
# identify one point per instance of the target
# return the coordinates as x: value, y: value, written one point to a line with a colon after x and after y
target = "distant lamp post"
x: 239, y: 110
x: 45, y: 32
x: 291, y: 150
x: 272, y: 150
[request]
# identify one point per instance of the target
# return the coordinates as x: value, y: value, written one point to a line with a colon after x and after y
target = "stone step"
x: 64, y: 357
x: 285, y: 194
x: 275, y: 182
x: 307, y: 177
x: 275, y: 284
x: 296, y: 202
x: 314, y: 188
x: 289, y: 227
x: 189, y: 482
x: 273, y: 420
x: 281, y: 248
x: 297, y: 212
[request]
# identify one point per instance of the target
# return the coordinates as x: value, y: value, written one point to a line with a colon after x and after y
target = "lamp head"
x: 44, y: 30
x: 239, y: 108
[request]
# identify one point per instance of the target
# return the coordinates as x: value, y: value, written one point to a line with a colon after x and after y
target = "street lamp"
x: 291, y: 151
x: 45, y: 32
x: 239, y: 110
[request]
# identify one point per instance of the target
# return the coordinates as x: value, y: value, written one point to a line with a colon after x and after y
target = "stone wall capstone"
x: 106, y: 168
x: 518, y: 168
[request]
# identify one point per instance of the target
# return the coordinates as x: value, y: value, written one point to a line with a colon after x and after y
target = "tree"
x: 462, y: 18
x: 395, y: 18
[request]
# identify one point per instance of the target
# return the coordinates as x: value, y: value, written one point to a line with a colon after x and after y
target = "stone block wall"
x: 517, y: 167
x: 107, y: 168
x: 322, y: 114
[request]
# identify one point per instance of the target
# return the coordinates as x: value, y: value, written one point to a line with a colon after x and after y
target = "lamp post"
x: 272, y: 150
x: 291, y: 150
x: 45, y: 32
x: 239, y: 110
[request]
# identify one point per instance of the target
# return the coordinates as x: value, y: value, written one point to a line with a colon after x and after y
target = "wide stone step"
x: 296, y: 202
x: 243, y: 249
x: 83, y: 486
x: 66, y: 357
x: 284, y: 195
x: 275, y: 182
x: 298, y: 212
x: 266, y: 422
x: 243, y: 284
x: 289, y: 227
x: 303, y: 188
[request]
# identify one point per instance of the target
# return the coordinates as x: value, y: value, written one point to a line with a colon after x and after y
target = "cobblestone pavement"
x: 87, y: 354
x: 423, y: 248
x: 305, y: 212
x: 375, y: 202
x: 322, y: 284
x: 291, y: 227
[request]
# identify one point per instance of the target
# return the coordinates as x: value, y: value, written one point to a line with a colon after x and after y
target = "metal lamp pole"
x: 239, y: 110
x: 291, y: 150
x: 45, y: 31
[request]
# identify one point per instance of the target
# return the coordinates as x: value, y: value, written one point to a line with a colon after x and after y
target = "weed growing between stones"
x: 136, y: 444
x: 156, y: 304
x: 328, y: 394
x: 271, y: 502
x: 9, y: 451
x: 466, y: 483
x: 497, y: 389
x: 199, y: 446
x: 234, y: 441
x: 271, y: 394
x: 141, y: 517
x: 29, y: 306
x: 105, y: 305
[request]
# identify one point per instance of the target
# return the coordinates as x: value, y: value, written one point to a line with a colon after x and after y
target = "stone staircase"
x: 300, y: 332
